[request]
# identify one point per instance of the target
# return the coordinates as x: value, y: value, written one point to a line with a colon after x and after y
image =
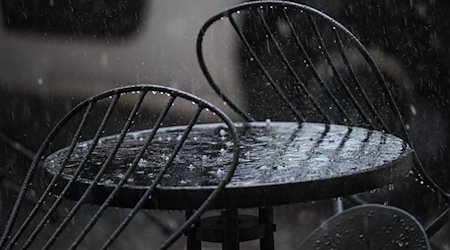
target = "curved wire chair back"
x: 313, y: 67
x: 74, y: 163
x: 297, y: 63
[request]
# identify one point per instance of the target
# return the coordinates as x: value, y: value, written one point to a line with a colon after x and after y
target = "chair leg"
x: 448, y: 229
x: 166, y: 228
x: 266, y: 217
x: 438, y: 223
x: 231, y: 229
x: 192, y: 242
x: 338, y: 205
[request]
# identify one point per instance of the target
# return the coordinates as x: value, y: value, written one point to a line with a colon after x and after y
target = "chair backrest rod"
x: 99, y: 174
x: 358, y: 85
x: 157, y: 180
x: 130, y: 170
x: 60, y: 198
x: 47, y: 191
x: 17, y: 146
x: 300, y: 80
x: 204, y: 68
x: 30, y: 175
x: 266, y: 73
x: 437, y: 223
x: 330, y: 62
x: 194, y: 217
x: 317, y: 142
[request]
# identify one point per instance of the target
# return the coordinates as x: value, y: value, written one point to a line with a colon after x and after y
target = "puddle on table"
x: 270, y: 153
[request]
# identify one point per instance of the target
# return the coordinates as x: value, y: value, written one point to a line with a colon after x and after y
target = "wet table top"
x: 280, y: 163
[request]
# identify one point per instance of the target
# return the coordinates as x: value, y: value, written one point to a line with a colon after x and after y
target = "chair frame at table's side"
x: 6, y: 241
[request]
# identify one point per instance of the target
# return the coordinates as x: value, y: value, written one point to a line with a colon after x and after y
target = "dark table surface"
x: 280, y: 163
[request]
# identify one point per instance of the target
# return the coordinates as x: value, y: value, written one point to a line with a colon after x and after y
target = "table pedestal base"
x: 230, y: 228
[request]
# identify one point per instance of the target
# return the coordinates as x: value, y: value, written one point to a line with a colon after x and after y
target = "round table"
x: 280, y: 163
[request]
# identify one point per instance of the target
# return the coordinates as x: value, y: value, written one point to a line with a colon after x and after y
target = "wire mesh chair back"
x: 73, y: 162
x: 305, y: 62
x: 297, y: 63
x: 369, y: 226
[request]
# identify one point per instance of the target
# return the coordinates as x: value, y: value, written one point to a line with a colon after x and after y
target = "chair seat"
x: 369, y: 226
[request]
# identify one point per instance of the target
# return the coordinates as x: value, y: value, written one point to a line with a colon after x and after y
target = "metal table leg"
x: 266, y: 217
x: 231, y: 229
x: 192, y: 242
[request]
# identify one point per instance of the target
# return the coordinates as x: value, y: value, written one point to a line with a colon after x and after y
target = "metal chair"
x: 368, y: 227
x: 297, y: 63
x: 72, y: 168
